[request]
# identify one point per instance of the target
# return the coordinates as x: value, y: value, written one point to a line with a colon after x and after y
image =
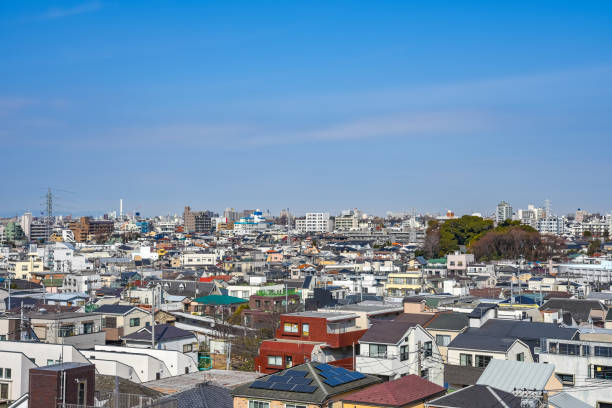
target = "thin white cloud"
x: 61, y: 12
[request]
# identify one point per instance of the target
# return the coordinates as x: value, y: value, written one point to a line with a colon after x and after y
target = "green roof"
x: 53, y: 282
x: 437, y: 260
x: 219, y: 300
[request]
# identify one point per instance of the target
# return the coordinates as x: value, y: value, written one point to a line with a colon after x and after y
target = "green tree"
x: 587, y: 234
x: 594, y: 246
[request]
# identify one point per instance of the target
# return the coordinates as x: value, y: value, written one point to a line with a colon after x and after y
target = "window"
x: 425, y: 373
x: 569, y: 349
x: 291, y: 327
x: 187, y: 348
x: 88, y: 328
x: 442, y: 340
x: 288, y: 361
x: 604, y: 404
x: 50, y: 362
x: 294, y: 406
x: 482, y: 361
x: 465, y: 359
x: 586, y: 350
x: 602, y: 372
x: 275, y: 360
x: 81, y: 393
x: 186, y: 370
x: 8, y: 373
x: 305, y: 329
x: 566, y: 379
x: 1, y: 372
x: 4, y: 391
x: 520, y: 357
x: 427, y: 348
x: 404, y: 353
x: 259, y: 404
x: 601, y: 351
x: 135, y: 322
x: 378, y: 350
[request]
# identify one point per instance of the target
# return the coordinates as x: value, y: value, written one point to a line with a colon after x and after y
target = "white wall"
x: 145, y: 366
x: 175, y: 361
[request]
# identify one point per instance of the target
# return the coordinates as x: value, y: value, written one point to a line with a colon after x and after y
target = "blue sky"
x: 327, y: 105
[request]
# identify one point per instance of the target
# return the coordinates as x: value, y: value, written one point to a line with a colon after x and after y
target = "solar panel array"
x: 335, y: 376
x: 292, y: 380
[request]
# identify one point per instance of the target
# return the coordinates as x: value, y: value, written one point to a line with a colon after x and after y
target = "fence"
x: 105, y: 399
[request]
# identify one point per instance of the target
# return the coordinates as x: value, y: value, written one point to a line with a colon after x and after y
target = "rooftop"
x: 397, y: 393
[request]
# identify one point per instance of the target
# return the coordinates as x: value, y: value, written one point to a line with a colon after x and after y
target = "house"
x: 81, y: 330
x: 306, y: 385
x: 392, y: 349
x: 369, y: 312
x: 265, y: 304
x: 404, y: 283
x: 323, y: 337
x: 14, y: 369
x: 582, y: 311
x: 517, y: 375
x: 121, y: 320
x: 410, y: 391
x: 166, y: 338
x: 444, y: 327
x: 476, y: 396
x: 212, y: 305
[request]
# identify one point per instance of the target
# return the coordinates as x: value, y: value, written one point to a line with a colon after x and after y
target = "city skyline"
x: 312, y: 107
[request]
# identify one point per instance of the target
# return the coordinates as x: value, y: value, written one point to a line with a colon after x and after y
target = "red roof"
x: 217, y: 277
x: 397, y: 393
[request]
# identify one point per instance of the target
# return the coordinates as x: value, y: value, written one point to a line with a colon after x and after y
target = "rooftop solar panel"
x: 304, y: 388
x: 299, y: 380
x: 259, y: 384
x: 325, y: 367
x: 295, y: 373
x: 283, y: 386
x: 278, y: 378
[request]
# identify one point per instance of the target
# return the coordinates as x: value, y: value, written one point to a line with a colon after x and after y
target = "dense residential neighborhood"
x: 247, y: 309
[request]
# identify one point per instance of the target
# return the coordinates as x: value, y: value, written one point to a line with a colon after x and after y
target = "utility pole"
x: 228, y: 345
x: 419, y: 359
x: 153, y: 318
x: 354, y: 362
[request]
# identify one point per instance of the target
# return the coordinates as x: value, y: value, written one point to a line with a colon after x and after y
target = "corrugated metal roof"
x: 509, y: 375
x: 564, y: 400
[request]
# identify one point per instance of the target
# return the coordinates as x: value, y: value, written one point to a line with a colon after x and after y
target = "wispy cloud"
x: 54, y: 13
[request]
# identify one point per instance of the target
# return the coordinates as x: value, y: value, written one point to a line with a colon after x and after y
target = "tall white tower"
x: 121, y: 208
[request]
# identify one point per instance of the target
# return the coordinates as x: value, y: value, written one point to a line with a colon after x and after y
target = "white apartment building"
x: 315, y: 222
x: 503, y: 212
x: 552, y: 225
x: 198, y: 259
x: 81, y: 283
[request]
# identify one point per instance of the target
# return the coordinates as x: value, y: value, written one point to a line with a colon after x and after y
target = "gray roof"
x: 449, y: 321
x: 508, y: 375
x: 564, y: 400
x: 386, y: 332
x: 203, y: 396
x: 322, y: 393
x: 163, y: 332
x: 472, y: 341
x: 476, y: 396
x: 116, y: 309
x: 579, y: 308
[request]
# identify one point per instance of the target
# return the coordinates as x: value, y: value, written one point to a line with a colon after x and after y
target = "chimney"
x: 47, y: 385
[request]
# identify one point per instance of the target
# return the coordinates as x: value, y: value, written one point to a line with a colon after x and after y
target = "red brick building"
x: 327, y: 337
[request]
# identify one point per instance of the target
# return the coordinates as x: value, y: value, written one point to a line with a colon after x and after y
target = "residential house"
x: 14, y: 376
x: 308, y: 385
x: 444, y: 327
x: 167, y: 337
x: 310, y: 336
x: 392, y: 349
x: 582, y: 311
x: 404, y: 283
x: 410, y: 391
x: 120, y: 320
x: 81, y: 330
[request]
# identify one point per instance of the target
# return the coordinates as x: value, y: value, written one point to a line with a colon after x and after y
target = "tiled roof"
x: 477, y: 396
x: 163, y: 332
x: 397, y: 393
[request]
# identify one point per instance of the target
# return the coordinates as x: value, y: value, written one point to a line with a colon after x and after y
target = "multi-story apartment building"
x: 88, y: 229
x: 82, y: 282
x: 82, y: 330
x: 404, y: 283
x: 551, y: 225
x: 503, y: 212
x: 314, y: 222
x: 457, y: 263
x: 23, y: 269
x: 197, y: 221
x: 310, y: 336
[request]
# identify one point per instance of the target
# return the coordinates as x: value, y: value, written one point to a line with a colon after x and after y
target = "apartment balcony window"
x: 66, y: 331
x: 427, y: 349
x: 569, y: 349
x: 602, y: 372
